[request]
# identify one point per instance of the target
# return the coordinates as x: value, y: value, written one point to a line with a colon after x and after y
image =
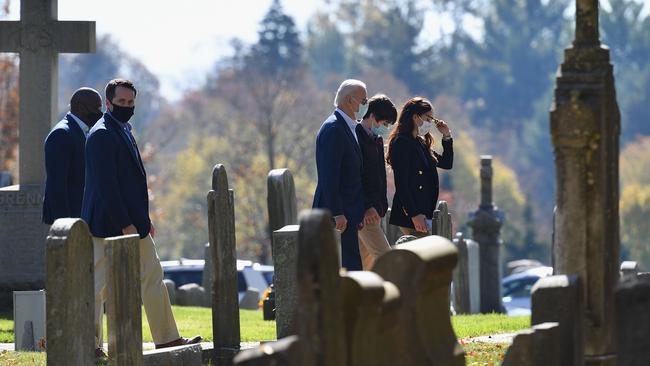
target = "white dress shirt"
x: 84, y: 127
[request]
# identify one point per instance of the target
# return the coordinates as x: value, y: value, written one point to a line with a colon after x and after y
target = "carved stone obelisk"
x: 585, y: 128
x: 486, y: 225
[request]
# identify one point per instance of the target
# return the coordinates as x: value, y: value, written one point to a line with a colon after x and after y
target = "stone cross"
x: 70, y: 294
x: 39, y: 38
x: 123, y: 300
x: 585, y: 129
x: 225, y: 306
x: 486, y: 224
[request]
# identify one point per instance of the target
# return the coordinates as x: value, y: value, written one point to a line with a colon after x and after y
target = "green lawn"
x: 195, y: 320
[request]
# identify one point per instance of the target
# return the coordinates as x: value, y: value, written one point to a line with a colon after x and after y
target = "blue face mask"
x: 380, y: 130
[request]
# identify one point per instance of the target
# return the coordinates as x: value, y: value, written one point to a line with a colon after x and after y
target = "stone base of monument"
x: 22, y: 239
x: 181, y: 355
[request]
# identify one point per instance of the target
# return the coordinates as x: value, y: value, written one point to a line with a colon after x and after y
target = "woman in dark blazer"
x: 415, y: 165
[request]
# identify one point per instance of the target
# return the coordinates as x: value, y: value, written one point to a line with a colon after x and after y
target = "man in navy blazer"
x: 339, y: 163
x: 116, y: 202
x: 65, y: 156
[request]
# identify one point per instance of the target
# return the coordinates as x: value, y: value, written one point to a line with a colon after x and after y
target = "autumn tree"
x: 8, y: 108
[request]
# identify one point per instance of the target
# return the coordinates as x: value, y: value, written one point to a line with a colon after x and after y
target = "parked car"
x: 249, y: 274
x: 517, y: 286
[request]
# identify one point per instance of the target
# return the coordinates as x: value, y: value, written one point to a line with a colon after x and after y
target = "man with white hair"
x: 339, y: 162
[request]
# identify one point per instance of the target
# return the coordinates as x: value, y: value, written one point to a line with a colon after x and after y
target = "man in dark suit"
x: 65, y: 156
x: 116, y: 202
x: 339, y: 163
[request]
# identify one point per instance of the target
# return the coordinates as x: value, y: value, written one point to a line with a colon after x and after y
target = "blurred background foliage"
x: 488, y: 67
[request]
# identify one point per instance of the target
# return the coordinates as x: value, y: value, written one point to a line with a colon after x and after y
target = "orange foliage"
x: 9, y: 114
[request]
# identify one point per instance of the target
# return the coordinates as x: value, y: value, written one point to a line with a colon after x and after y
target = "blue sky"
x: 181, y: 41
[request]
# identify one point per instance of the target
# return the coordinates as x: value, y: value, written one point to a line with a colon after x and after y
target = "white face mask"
x: 424, y: 128
x: 363, y: 108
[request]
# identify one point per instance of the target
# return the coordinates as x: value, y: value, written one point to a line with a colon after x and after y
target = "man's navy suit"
x: 116, y: 184
x: 64, y: 165
x: 339, y: 189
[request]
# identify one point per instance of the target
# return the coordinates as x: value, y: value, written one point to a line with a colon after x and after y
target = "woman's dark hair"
x: 413, y: 107
x: 113, y: 84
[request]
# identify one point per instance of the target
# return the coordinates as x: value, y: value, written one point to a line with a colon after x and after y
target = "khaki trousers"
x: 154, y: 293
x: 372, y: 244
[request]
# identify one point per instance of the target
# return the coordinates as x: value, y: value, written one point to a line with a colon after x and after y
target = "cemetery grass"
x: 196, y: 320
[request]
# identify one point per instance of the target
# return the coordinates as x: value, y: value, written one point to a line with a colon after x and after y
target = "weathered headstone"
x: 70, y: 294
x: 559, y: 299
x: 250, y: 300
x: 633, y: 321
x: 363, y: 295
x: 123, y: 300
x: 537, y: 346
x: 486, y: 223
x: 285, y: 279
x: 190, y: 294
x: 225, y: 305
x: 38, y: 37
x: 284, y: 352
x: 320, y: 318
x: 474, y: 273
x: 422, y: 271
x: 461, y: 277
x: 392, y: 232
x: 441, y: 222
x: 585, y: 129
x: 281, y: 199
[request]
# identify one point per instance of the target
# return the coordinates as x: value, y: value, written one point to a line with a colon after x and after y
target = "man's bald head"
x: 86, y: 103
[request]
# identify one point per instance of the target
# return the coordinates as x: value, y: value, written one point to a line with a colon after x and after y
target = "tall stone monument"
x: 486, y: 224
x: 38, y: 38
x: 585, y: 128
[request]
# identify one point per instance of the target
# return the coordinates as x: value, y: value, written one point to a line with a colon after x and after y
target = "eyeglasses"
x: 364, y: 101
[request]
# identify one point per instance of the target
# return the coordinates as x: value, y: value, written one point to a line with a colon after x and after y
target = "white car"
x: 517, y: 287
x: 249, y: 274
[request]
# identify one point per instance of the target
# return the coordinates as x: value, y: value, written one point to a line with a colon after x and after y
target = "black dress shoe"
x: 180, y: 342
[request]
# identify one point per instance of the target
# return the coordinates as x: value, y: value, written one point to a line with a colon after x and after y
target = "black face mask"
x: 122, y: 114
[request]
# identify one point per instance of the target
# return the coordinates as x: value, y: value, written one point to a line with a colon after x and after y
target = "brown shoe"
x: 99, y: 353
x: 180, y: 342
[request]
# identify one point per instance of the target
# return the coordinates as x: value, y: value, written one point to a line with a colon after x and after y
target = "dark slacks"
x: 350, y: 256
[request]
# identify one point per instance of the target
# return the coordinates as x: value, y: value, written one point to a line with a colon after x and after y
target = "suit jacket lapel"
x: 129, y: 145
x: 341, y: 120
